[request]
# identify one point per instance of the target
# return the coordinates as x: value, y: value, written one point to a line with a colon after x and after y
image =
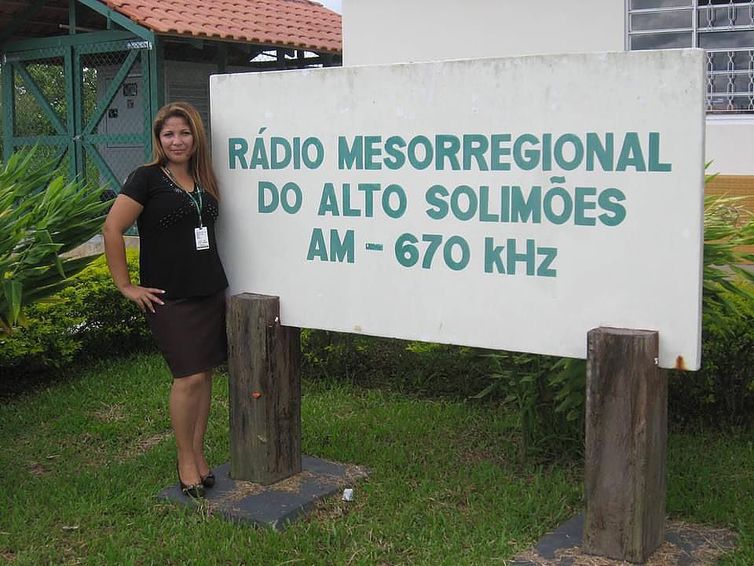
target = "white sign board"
x: 510, y: 203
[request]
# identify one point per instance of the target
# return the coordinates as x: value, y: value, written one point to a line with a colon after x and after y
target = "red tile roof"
x: 298, y: 24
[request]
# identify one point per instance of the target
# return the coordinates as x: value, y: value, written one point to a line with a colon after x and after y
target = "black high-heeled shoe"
x: 208, y: 480
x: 195, y: 490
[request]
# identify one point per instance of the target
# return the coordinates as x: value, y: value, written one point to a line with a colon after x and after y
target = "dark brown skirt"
x: 190, y: 333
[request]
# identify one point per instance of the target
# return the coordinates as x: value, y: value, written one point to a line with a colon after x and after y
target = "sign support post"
x: 626, y: 444
x: 264, y: 362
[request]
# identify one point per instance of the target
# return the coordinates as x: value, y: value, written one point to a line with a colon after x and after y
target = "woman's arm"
x: 122, y: 215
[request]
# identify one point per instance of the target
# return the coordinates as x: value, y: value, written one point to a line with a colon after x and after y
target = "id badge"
x: 201, y: 235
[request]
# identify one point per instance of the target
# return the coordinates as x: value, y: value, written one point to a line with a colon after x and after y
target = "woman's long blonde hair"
x: 200, y: 164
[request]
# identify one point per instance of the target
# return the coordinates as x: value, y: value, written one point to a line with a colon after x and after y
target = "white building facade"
x: 393, y: 31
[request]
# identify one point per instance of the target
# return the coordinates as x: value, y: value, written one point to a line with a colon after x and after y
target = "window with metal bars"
x: 724, y: 28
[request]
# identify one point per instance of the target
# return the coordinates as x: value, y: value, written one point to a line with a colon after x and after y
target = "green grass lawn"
x: 82, y: 461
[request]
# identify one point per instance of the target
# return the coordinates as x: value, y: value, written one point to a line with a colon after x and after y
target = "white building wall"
x: 730, y: 145
x: 394, y: 31
x: 391, y: 31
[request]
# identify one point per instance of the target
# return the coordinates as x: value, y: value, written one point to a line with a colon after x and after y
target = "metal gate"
x: 87, y: 105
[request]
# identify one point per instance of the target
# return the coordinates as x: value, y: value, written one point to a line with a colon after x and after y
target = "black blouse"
x: 168, y: 258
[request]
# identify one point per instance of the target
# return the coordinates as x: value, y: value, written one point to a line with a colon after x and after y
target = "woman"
x: 174, y: 201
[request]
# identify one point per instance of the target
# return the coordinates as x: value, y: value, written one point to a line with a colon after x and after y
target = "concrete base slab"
x: 685, y: 545
x: 273, y: 505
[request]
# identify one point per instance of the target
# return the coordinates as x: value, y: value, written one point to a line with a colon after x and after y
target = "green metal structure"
x: 54, y: 95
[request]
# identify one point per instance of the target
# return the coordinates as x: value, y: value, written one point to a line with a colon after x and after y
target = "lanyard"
x: 197, y: 202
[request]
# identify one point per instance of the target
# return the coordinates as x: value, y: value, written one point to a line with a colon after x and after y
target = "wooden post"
x: 264, y: 361
x: 626, y: 443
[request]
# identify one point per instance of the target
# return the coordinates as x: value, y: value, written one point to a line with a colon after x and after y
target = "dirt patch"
x: 36, y: 469
x: 144, y: 444
x: 685, y: 544
x: 351, y: 474
x: 331, y: 510
x: 708, y: 543
x: 110, y: 413
x: 8, y: 555
x: 245, y: 489
x: 477, y: 456
x: 242, y: 489
x: 292, y: 484
x: 354, y: 473
x: 666, y: 555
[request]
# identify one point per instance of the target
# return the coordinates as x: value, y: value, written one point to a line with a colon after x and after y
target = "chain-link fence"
x: 86, y: 107
x: 116, y: 114
x: 39, y: 107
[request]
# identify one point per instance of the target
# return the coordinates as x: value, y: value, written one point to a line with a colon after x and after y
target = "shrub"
x: 722, y: 392
x: 88, y: 318
x: 437, y: 370
x: 46, y: 341
x: 110, y: 323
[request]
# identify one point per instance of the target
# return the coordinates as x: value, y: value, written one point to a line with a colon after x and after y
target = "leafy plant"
x: 89, y: 319
x: 42, y: 216
x: 728, y: 227
x: 722, y: 392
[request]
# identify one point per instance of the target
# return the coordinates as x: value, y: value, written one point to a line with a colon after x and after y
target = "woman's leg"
x: 200, y: 428
x: 186, y: 397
